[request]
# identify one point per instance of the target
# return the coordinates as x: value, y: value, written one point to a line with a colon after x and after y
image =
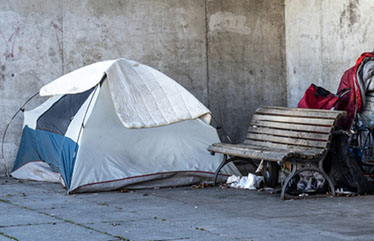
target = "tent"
x: 117, y: 124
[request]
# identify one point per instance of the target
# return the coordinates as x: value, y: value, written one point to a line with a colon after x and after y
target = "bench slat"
x: 295, y: 120
x: 252, y: 153
x: 300, y: 149
x: 287, y: 126
x: 309, y: 153
x: 339, y: 114
x: 288, y: 133
x: 298, y: 113
x: 288, y: 140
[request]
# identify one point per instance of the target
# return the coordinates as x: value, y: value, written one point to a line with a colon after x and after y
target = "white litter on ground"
x: 250, y: 182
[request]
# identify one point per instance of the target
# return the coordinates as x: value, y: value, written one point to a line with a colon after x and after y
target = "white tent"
x: 117, y: 124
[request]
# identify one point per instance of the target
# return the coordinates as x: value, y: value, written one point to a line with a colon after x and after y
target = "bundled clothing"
x: 359, y: 80
x: 344, y: 163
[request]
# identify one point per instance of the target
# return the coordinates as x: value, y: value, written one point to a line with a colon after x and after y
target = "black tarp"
x: 344, y: 169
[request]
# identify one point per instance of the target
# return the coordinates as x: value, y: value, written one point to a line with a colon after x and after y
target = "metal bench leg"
x: 327, y: 178
x: 308, y: 168
x: 288, y: 179
x: 223, y: 163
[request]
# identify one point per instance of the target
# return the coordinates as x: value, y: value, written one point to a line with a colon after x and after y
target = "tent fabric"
x: 77, y: 81
x: 114, y: 152
x: 145, y: 97
x: 142, y: 96
x: 56, y: 150
x: 157, y: 135
x: 38, y: 171
x: 165, y: 179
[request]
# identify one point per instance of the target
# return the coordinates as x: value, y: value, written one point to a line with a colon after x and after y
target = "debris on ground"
x: 345, y: 193
x: 310, y: 181
x: 251, y: 182
x: 202, y: 185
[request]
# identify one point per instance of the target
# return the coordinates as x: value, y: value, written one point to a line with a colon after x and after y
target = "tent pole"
x: 6, y: 129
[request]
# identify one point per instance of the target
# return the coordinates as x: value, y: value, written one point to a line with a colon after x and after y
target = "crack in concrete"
x: 8, y: 236
x: 65, y: 220
x: 26, y: 224
x: 5, y: 201
x: 123, y: 221
x: 171, y: 239
x: 163, y: 197
x: 177, y: 200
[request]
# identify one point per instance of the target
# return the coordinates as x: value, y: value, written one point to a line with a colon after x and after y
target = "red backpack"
x: 316, y: 97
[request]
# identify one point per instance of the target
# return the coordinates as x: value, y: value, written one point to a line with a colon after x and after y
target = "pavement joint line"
x: 65, y: 220
x: 208, y: 231
x: 263, y: 218
x: 27, y: 224
x: 171, y: 239
x: 5, y: 201
x: 175, y: 239
x: 123, y: 221
x: 107, y: 204
x: 8, y: 236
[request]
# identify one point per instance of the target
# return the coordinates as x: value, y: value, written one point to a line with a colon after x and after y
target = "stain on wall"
x: 167, y: 35
x: 8, y: 44
x: 350, y: 15
x: 246, y: 60
x: 228, y: 22
x: 323, y: 39
x: 228, y: 53
x: 26, y: 37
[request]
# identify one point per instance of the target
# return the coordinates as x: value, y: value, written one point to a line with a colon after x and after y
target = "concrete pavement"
x: 42, y: 211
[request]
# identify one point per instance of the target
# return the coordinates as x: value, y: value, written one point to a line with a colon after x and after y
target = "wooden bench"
x: 279, y: 134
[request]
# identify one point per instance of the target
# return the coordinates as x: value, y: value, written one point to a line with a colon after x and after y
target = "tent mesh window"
x: 58, y: 117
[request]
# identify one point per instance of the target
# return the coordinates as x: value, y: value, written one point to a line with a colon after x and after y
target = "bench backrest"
x: 300, y: 130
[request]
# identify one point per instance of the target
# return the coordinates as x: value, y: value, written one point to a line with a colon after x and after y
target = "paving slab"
x: 43, y: 211
x: 15, y: 215
x: 55, y: 232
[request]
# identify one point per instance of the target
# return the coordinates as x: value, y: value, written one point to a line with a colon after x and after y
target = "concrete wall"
x: 30, y: 56
x: 228, y: 53
x: 246, y: 60
x: 323, y: 39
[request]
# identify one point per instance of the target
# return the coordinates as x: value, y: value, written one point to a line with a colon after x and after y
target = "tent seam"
x: 163, y: 90
x: 145, y: 84
x: 116, y: 106
x: 154, y: 121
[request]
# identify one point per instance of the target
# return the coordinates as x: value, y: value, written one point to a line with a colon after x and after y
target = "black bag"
x: 344, y: 170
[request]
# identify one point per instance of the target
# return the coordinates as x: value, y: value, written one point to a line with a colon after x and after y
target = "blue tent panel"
x: 56, y: 150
